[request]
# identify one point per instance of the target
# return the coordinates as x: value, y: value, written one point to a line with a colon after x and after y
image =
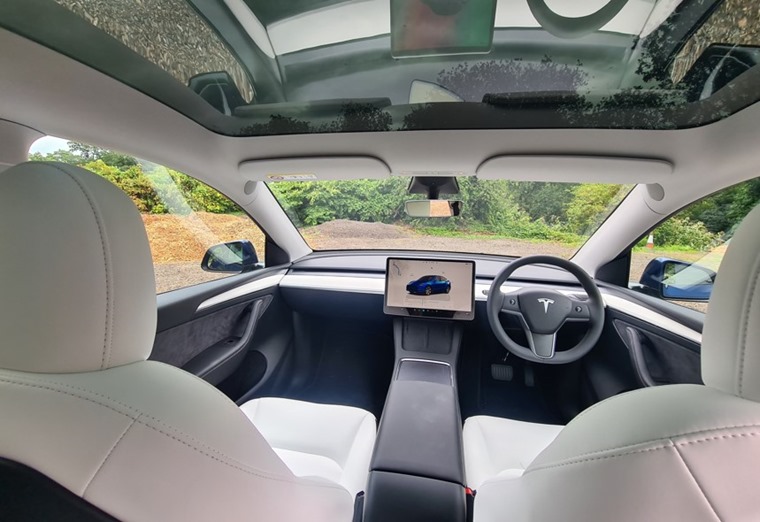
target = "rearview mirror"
x: 428, y: 92
x: 433, y: 208
x: 233, y: 257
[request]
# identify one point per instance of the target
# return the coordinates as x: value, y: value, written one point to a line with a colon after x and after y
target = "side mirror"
x: 674, y: 279
x: 432, y: 208
x: 218, y: 89
x: 233, y: 257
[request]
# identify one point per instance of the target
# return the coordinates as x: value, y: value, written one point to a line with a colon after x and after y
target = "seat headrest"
x: 78, y: 290
x: 731, y: 336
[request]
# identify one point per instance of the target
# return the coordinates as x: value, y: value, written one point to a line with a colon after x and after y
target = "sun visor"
x: 315, y: 168
x: 15, y: 141
x: 575, y: 169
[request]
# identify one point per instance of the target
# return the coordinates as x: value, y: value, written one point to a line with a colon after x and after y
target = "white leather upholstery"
x: 731, y: 336
x: 141, y: 440
x: 496, y: 447
x: 317, y: 440
x: 78, y: 287
x: 680, y: 452
x: 146, y: 442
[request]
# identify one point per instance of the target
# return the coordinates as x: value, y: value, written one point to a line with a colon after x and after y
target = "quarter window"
x: 183, y: 217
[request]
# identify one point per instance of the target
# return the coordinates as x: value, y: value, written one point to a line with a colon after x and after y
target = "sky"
x: 48, y: 144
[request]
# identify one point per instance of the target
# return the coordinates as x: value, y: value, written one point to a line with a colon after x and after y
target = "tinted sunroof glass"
x: 732, y: 23
x: 256, y: 67
x: 168, y: 33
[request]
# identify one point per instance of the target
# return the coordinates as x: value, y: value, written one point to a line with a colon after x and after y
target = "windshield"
x: 499, y: 217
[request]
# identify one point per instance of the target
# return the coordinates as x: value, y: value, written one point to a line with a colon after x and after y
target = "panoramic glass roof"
x: 259, y: 67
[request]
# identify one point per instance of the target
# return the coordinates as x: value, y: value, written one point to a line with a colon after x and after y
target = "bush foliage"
x: 682, y: 231
x: 153, y: 189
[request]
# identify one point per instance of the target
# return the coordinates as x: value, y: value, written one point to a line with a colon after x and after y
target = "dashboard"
x: 352, y: 284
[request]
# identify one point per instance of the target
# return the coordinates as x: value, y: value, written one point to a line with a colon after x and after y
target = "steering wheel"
x: 542, y: 312
x: 563, y: 27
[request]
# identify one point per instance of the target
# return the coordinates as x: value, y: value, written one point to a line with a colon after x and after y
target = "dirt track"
x: 342, y: 234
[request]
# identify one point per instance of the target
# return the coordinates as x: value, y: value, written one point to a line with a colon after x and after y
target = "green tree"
x: 134, y: 182
x: 723, y: 211
x: 89, y: 153
x: 63, y: 156
x: 590, y: 201
x: 157, y: 190
x: 547, y: 201
x: 313, y: 203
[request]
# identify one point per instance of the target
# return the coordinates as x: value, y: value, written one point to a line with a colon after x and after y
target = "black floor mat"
x: 354, y: 367
x: 514, y: 400
x: 482, y: 394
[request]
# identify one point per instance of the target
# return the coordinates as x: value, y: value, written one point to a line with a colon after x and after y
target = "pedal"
x: 530, y: 380
x: 502, y: 372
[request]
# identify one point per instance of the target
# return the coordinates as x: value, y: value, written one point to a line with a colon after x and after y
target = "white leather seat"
x: 679, y: 452
x: 317, y: 440
x: 501, y: 448
x: 79, y: 403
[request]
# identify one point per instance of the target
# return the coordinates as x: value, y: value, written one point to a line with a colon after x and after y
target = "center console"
x: 417, y: 469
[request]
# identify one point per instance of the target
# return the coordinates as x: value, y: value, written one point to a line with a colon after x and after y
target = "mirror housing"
x: 673, y: 279
x: 433, y: 208
x: 218, y: 89
x: 233, y: 257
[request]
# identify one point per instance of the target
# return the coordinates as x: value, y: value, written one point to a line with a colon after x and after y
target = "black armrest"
x: 405, y: 498
x: 420, y: 432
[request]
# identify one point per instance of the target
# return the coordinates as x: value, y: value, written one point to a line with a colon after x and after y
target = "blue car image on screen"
x: 428, y: 285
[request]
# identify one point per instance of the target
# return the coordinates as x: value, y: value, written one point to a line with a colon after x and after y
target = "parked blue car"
x: 428, y: 285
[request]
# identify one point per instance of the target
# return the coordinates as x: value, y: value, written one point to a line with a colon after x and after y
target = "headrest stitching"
x: 745, y: 326
x: 108, y: 339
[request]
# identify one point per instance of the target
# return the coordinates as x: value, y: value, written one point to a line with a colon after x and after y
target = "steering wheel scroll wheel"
x: 543, y: 311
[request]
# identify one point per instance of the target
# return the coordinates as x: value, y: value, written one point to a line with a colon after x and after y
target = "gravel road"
x: 343, y: 234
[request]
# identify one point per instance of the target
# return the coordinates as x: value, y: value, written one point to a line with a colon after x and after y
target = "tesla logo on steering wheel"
x: 546, y: 302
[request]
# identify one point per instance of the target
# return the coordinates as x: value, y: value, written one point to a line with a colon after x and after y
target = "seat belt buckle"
x: 469, y: 499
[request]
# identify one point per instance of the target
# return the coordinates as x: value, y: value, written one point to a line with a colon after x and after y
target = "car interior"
x: 378, y: 379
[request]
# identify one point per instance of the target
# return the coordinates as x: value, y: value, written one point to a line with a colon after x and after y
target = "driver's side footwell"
x: 485, y: 386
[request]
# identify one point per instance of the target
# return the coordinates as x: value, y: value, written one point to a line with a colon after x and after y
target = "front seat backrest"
x: 677, y: 452
x: 78, y: 401
x: 731, y: 335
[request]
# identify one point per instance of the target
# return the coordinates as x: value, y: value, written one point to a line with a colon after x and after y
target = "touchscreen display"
x: 430, y: 288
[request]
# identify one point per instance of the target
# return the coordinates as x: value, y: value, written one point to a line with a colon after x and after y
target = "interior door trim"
x: 251, y: 287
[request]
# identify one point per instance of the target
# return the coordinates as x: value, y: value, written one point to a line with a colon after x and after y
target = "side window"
x: 196, y: 234
x: 678, y: 260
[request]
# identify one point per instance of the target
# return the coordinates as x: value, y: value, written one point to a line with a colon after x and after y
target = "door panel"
x: 179, y: 345
x: 658, y: 360
x: 634, y: 353
x: 211, y: 329
x: 180, y: 306
x: 212, y: 346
